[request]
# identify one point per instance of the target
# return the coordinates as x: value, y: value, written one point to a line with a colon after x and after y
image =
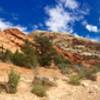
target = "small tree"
x: 27, y: 48
x: 30, y: 54
x: 19, y: 59
x: 27, y: 57
x: 44, y: 49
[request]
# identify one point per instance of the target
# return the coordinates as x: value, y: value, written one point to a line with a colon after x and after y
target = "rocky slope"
x: 12, y: 39
x: 77, y: 50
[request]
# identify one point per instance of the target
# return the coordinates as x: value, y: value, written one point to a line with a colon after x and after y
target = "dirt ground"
x: 63, y: 91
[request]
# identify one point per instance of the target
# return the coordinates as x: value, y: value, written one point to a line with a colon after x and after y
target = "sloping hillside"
x: 77, y: 50
x: 12, y: 39
x: 61, y: 85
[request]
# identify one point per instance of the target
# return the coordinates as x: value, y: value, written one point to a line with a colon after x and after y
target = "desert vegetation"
x: 43, y: 53
x: 39, y: 90
x: 12, y: 84
x: 75, y: 80
x: 13, y: 81
x: 41, y: 84
x: 44, y: 50
x: 84, y: 73
x: 48, y: 70
x: 26, y: 57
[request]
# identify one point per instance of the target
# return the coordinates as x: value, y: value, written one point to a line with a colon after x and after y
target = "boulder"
x: 49, y: 81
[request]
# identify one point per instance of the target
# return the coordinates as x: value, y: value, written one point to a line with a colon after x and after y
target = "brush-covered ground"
x: 87, y: 90
x: 48, y: 66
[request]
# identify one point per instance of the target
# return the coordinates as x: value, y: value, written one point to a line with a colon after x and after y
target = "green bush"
x: 64, y: 68
x: 97, y: 67
x: 62, y: 63
x: 59, y: 59
x: 19, y: 59
x: 27, y: 48
x: 89, y: 74
x: 86, y: 73
x: 39, y: 90
x: 30, y: 53
x: 6, y: 56
x: 75, y: 80
x: 27, y: 57
x: 44, y: 50
x: 13, y: 81
x: 1, y: 88
x: 44, y: 60
x: 41, y: 84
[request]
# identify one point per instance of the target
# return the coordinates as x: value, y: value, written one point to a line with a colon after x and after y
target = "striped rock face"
x: 77, y: 50
x: 12, y: 39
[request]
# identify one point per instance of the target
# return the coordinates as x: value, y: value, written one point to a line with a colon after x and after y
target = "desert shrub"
x: 27, y: 57
x: 2, y: 56
x: 64, y: 68
x: 44, y: 60
x: 44, y: 50
x: 39, y: 90
x: 13, y: 81
x: 75, y: 80
x: 6, y: 56
x: 97, y: 67
x: 1, y: 52
x: 41, y: 84
x: 86, y: 73
x: 1, y: 88
x: 30, y: 53
x: 62, y: 63
x: 59, y: 59
x: 19, y: 59
x: 89, y: 74
x: 92, y: 77
x: 27, y: 48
